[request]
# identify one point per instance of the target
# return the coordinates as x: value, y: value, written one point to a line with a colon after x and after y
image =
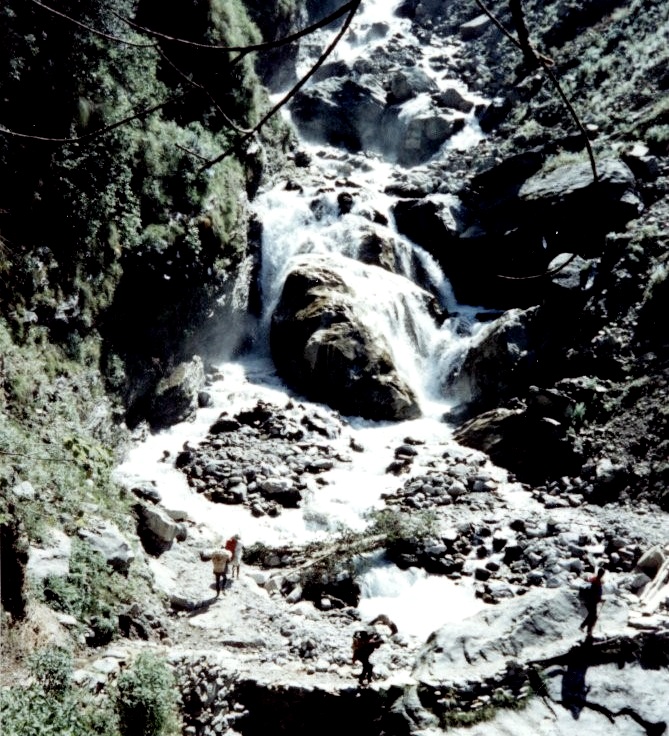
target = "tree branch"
x: 265, y: 46
x: 95, y: 133
x: 293, y: 91
x: 202, y: 88
x: 109, y: 37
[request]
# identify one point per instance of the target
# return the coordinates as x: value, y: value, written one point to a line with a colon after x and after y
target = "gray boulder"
x: 106, y: 538
x: 322, y: 348
x: 533, y: 447
x: 539, y: 625
x: 567, y: 201
x: 453, y: 99
x: 176, y: 396
x: 53, y: 558
x: 406, y: 84
x: 475, y: 28
x: 422, y: 134
x: 500, y: 363
x: 341, y: 112
x: 156, y: 529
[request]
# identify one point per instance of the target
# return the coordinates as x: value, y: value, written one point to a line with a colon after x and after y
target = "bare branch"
x: 533, y: 57
x: 109, y: 37
x: 202, y: 88
x: 95, y: 133
x: 190, y: 152
x: 546, y: 63
x: 294, y: 90
x: 265, y: 46
x: 551, y: 272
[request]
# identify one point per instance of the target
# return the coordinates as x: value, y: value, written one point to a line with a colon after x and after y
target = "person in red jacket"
x: 592, y: 597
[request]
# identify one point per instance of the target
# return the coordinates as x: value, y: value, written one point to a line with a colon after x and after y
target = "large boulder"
x: 52, y: 558
x: 532, y: 446
x: 500, y: 363
x: 341, y: 112
x: 156, y: 528
x: 405, y: 84
x: 106, y: 538
x: 323, y: 348
x: 539, y: 625
x: 420, y: 134
x: 176, y: 396
x: 433, y: 222
x: 568, y: 202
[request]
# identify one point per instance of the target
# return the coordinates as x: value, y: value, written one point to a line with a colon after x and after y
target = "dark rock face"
x: 13, y: 560
x: 321, y: 348
x: 514, y: 218
x: 533, y: 447
x: 341, y: 112
x: 177, y: 396
x: 297, y: 711
x: 568, y: 203
x: 501, y: 363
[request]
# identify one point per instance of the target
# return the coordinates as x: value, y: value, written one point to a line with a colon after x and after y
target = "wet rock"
x: 321, y: 347
x: 408, y: 83
x: 176, y: 396
x: 106, y: 538
x: 155, y: 528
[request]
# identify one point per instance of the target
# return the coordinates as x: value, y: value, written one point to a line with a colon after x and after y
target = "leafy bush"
x: 50, y: 706
x: 146, y: 698
x: 400, y: 526
x: 52, y: 668
x: 89, y: 592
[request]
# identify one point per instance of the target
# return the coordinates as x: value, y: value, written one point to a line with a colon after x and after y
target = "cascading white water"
x: 391, y: 305
x: 306, y: 224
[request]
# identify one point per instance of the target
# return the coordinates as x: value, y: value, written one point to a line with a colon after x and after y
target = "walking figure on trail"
x: 365, y: 643
x: 592, y: 597
x: 235, y: 546
x: 219, y: 560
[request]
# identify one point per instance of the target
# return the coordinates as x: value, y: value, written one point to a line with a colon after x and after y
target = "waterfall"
x: 302, y: 224
x: 392, y: 305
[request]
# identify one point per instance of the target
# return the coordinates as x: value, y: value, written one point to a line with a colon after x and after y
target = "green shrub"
x: 90, y: 592
x: 52, y: 668
x: 146, y: 698
x: 50, y: 706
x: 33, y: 712
x: 400, y: 526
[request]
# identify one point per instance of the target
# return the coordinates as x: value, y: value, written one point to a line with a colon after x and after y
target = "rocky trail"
x: 521, y: 551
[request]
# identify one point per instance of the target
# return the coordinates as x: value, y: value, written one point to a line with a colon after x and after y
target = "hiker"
x: 234, y: 547
x: 365, y: 643
x: 219, y: 560
x: 237, y: 557
x: 592, y: 597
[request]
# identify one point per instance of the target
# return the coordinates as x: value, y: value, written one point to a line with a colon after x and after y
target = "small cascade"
x: 399, y: 594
